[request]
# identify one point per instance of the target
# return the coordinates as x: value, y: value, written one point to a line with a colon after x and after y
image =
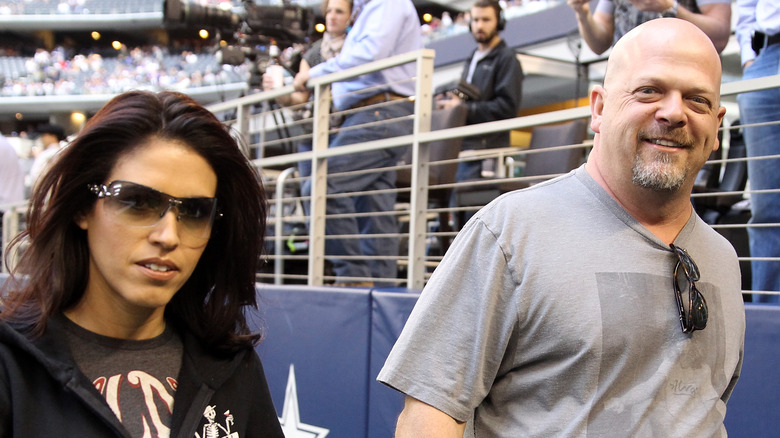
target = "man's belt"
x: 378, y: 98
x: 761, y: 40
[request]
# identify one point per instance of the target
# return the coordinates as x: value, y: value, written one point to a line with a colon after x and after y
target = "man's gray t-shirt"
x: 553, y: 314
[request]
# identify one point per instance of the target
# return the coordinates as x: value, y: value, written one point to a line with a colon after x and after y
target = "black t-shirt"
x: 137, y: 378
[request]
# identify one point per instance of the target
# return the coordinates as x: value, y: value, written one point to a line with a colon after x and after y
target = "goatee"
x: 485, y: 38
x: 658, y: 172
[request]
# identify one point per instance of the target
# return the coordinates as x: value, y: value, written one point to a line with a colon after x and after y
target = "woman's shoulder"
x: 27, y: 353
x: 12, y: 334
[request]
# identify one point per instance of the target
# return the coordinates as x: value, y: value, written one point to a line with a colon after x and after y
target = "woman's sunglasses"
x: 135, y: 205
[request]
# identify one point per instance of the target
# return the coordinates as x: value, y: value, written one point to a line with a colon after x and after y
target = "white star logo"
x: 291, y: 416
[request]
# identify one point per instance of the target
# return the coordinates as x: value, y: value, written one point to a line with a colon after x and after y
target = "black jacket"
x: 44, y: 394
x: 499, y: 77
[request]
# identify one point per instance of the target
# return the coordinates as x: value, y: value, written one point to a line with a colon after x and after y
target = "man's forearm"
x: 714, y: 20
x: 419, y: 420
x: 596, y: 30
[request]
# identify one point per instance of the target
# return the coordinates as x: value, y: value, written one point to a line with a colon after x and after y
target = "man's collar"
x: 357, y: 7
x: 493, y: 44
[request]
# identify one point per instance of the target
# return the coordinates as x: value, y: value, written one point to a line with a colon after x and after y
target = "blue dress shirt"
x: 383, y: 29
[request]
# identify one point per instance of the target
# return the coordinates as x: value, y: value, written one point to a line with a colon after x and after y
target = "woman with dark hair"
x: 124, y: 316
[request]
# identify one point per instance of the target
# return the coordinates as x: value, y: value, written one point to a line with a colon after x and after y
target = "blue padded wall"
x: 324, y: 333
x: 753, y: 407
x: 389, y: 312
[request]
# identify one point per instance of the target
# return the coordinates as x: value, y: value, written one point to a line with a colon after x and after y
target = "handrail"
x: 10, y: 220
x: 279, y: 224
x: 419, y: 139
x: 313, y: 83
x: 423, y: 101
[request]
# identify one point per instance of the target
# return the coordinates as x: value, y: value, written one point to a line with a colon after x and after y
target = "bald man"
x: 596, y: 304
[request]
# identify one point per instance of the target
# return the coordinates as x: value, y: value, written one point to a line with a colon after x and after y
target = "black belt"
x: 761, y: 40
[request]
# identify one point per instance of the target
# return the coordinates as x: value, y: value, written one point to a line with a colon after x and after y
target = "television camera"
x: 252, y: 30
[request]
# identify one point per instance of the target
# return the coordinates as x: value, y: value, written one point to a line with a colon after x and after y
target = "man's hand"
x: 268, y: 82
x: 652, y: 5
x: 299, y: 82
x: 450, y: 101
x: 581, y: 7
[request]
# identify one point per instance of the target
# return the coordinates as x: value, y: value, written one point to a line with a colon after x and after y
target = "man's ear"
x: 721, y: 113
x: 597, y: 97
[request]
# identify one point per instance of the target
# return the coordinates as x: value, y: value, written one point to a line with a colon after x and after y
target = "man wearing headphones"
x: 495, y: 70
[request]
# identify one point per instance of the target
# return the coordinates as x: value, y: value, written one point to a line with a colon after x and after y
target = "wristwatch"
x: 672, y: 11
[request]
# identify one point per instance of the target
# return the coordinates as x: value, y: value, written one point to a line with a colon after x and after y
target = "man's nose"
x: 672, y: 110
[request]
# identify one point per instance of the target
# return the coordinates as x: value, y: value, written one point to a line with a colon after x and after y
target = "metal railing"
x: 421, y: 219
x: 12, y: 223
x: 255, y: 117
x: 240, y: 115
x: 252, y: 118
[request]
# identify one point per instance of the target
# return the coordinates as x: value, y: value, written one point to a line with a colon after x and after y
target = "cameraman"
x: 495, y: 70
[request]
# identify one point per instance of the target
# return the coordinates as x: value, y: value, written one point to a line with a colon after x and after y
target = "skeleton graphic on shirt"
x: 213, y: 429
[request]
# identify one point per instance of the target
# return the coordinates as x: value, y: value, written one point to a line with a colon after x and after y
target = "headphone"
x: 500, y: 12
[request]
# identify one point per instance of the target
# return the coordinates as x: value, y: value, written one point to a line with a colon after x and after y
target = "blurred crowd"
x: 34, y: 149
x: 15, y: 7
x: 53, y: 73
x: 447, y: 25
